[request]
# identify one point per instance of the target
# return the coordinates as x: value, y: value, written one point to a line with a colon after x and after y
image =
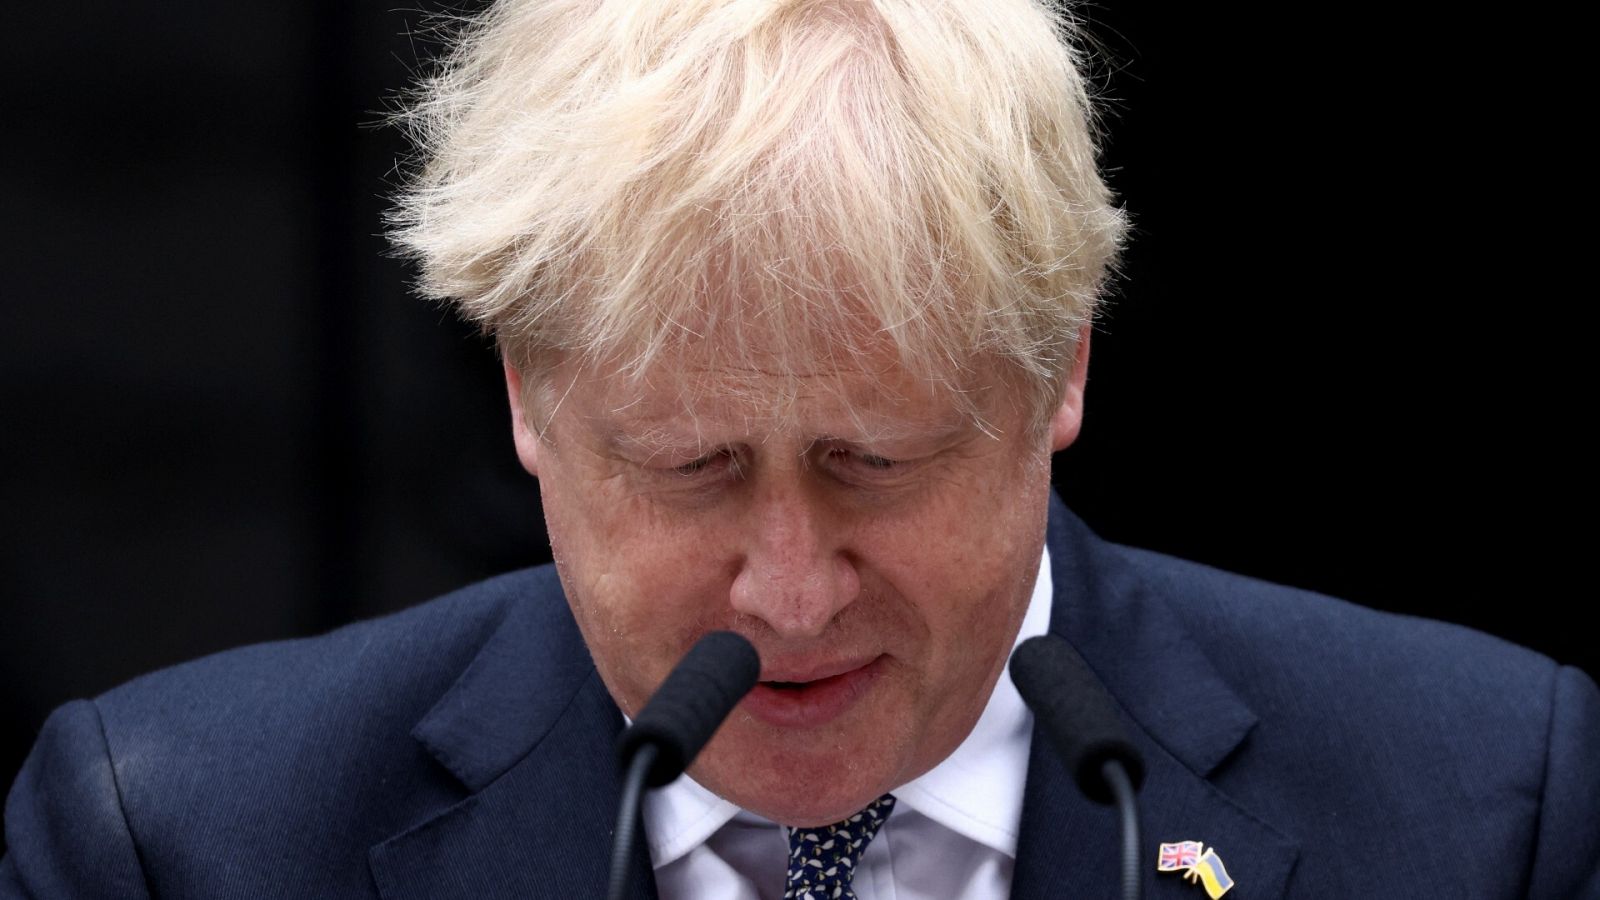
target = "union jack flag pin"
x: 1178, y: 857
x: 1198, y: 864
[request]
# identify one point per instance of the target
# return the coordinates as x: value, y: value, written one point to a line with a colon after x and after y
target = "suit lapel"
x: 528, y: 730
x: 1186, y: 720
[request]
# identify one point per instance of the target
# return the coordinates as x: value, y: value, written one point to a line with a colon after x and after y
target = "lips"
x: 810, y: 696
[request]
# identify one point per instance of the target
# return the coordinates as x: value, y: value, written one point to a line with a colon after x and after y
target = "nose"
x: 795, y: 574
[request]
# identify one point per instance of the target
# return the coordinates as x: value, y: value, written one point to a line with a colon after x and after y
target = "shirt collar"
x: 976, y: 792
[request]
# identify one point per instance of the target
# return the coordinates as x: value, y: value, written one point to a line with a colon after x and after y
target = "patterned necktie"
x: 823, y: 860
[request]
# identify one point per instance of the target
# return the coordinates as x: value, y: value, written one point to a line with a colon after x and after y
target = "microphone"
x: 1077, y: 716
x: 690, y: 705
x: 672, y: 729
x: 1075, y: 713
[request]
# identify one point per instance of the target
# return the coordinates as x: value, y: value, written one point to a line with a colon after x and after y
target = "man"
x: 794, y: 302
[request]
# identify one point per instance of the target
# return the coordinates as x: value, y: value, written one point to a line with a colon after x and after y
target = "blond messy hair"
x: 784, y: 182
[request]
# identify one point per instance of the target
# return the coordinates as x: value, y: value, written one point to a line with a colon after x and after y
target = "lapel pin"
x: 1198, y: 864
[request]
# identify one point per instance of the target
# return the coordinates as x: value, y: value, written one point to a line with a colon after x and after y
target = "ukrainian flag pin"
x: 1199, y: 864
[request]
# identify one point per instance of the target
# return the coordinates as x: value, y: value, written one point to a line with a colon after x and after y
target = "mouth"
x: 794, y: 702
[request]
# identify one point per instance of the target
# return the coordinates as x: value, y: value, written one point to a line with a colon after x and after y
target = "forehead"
x: 690, y: 396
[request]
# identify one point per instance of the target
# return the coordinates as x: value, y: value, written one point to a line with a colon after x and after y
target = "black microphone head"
x: 691, y: 703
x: 1075, y: 713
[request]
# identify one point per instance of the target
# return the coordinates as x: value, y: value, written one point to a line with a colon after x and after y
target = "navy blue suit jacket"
x: 463, y: 749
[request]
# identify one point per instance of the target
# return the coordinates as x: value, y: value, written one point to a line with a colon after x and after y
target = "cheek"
x: 975, y: 588
x: 641, y: 589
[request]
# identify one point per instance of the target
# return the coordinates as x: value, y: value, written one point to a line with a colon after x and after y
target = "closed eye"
x: 875, y: 462
x: 866, y: 460
x: 708, y: 462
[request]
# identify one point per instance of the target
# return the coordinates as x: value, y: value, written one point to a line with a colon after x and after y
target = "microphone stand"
x: 628, y: 819
x: 1123, y: 790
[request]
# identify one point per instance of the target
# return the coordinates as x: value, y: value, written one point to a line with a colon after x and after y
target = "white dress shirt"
x: 953, y: 832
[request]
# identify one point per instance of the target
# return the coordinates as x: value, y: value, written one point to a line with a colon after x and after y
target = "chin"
x: 801, y: 789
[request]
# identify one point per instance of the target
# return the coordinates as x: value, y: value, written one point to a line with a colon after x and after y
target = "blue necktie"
x: 823, y: 860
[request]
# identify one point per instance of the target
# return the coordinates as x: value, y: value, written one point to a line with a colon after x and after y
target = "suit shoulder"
x: 386, y: 660
x: 1250, y: 627
x: 319, y: 713
x: 1366, y: 696
x: 299, y: 749
x: 241, y: 745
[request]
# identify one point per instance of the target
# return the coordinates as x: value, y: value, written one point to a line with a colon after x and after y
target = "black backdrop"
x: 1340, y: 358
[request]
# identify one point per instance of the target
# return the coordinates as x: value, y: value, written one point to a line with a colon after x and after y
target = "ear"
x: 1068, y: 417
x: 526, y: 440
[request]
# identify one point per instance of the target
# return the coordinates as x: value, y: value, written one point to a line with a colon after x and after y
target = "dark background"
x: 1340, y: 357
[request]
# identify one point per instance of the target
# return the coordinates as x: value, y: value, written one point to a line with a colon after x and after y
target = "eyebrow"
x: 653, y: 439
x: 656, y: 439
